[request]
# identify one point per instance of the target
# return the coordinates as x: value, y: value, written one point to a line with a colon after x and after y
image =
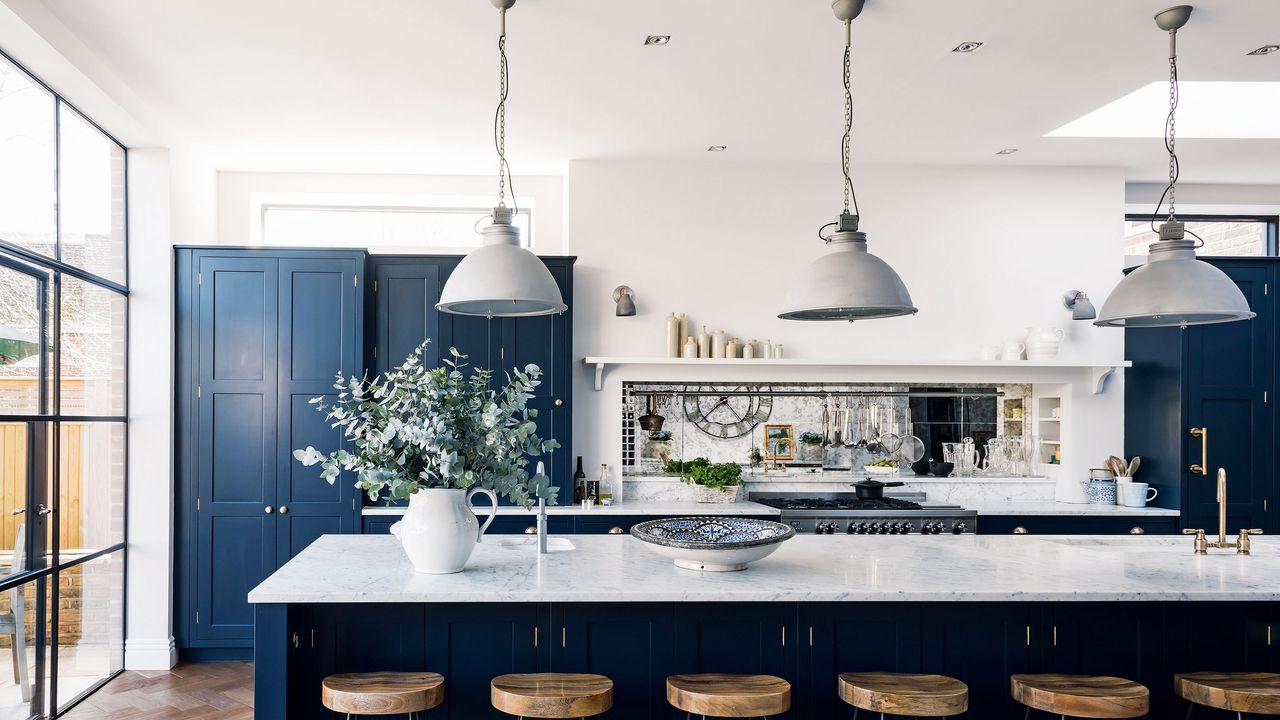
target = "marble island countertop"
x: 912, y: 568
x: 670, y: 508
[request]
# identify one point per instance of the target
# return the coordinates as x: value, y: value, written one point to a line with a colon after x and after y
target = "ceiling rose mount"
x: 847, y: 282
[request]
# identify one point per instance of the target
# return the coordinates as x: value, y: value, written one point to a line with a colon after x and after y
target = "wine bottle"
x: 579, y: 483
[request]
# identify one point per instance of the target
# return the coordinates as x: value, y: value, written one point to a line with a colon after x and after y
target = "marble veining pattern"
x: 373, y: 568
x: 658, y: 508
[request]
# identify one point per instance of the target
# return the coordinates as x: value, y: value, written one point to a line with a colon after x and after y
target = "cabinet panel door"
x: 472, y: 644
x: 235, y: 442
x: 858, y: 637
x: 1119, y: 639
x: 751, y: 638
x: 406, y: 313
x: 319, y: 316
x: 982, y: 644
x: 630, y: 644
x: 1229, y: 366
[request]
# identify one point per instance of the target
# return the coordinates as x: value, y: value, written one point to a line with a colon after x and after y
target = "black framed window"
x: 63, y: 399
x: 1223, y: 235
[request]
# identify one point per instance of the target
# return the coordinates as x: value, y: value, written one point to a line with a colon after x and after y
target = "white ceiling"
x: 409, y: 85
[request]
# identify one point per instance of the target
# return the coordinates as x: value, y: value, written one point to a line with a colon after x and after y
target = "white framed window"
x: 427, y: 224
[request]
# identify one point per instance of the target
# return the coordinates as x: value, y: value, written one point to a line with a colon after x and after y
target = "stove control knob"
x: 853, y: 528
x: 862, y: 528
x: 882, y: 528
x: 898, y: 528
x: 926, y: 528
x: 960, y: 528
x: 939, y: 527
x: 908, y: 528
x: 829, y: 529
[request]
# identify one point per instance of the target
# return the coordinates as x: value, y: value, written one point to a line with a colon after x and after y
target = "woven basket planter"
x: 714, y: 495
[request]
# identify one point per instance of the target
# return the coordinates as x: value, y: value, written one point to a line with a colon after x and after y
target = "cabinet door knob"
x: 1021, y: 531
x: 531, y: 530
x: 559, y: 402
x: 267, y: 509
x: 615, y: 530
x: 284, y: 509
x: 1137, y: 530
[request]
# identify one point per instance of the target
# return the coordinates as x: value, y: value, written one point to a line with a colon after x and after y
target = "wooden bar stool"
x: 1082, y: 696
x: 910, y: 694
x: 551, y: 695
x: 1243, y: 692
x: 732, y: 696
x: 382, y: 693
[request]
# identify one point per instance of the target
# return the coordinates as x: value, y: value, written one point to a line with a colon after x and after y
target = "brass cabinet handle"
x: 1137, y: 530
x: 615, y: 530
x: 284, y: 509
x: 1021, y: 531
x: 1202, y: 467
x: 267, y: 509
x: 559, y: 402
x: 531, y: 530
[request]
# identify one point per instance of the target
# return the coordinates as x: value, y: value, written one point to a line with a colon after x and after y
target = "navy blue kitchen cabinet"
x: 749, y: 638
x: 259, y: 333
x: 982, y: 644
x: 633, y: 646
x: 1077, y: 524
x: 472, y: 644
x: 1218, y: 377
x: 853, y: 637
x: 403, y: 297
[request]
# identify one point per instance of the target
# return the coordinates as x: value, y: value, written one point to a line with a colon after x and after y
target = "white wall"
x: 985, y: 252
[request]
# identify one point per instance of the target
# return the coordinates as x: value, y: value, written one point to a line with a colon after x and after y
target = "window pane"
x: 93, y: 349
x: 423, y: 228
x: 91, y: 487
x: 90, y: 624
x: 21, y: 601
x: 92, y: 194
x: 1221, y: 237
x: 20, y: 329
x: 28, y: 185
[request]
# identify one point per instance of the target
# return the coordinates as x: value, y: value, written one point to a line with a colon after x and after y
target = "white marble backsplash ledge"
x: 963, y: 492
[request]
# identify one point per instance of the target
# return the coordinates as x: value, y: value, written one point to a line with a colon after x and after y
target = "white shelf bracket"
x: 599, y: 376
x: 1100, y: 375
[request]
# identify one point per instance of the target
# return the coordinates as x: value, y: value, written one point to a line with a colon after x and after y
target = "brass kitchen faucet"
x: 1241, y: 544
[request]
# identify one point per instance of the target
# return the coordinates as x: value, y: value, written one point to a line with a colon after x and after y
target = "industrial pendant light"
x: 1174, y: 288
x: 847, y: 283
x: 500, y: 278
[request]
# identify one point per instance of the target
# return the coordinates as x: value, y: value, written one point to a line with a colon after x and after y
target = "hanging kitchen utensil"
x: 826, y: 425
x: 852, y: 425
x: 651, y: 421
x: 873, y: 489
x: 911, y: 450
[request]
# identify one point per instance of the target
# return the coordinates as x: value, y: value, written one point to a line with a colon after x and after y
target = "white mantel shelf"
x: 1098, y: 370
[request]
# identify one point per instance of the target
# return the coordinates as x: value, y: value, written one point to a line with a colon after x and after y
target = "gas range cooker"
x: 846, y: 514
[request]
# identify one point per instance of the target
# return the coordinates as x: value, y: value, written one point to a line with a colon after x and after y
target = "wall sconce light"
x: 624, y: 296
x: 1079, y: 305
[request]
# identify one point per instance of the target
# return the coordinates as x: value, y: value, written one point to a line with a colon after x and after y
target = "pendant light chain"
x: 1170, y: 137
x: 846, y: 141
x: 500, y: 120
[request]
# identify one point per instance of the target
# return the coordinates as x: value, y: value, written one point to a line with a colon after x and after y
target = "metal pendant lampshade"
x: 847, y: 283
x: 1174, y: 288
x: 501, y: 279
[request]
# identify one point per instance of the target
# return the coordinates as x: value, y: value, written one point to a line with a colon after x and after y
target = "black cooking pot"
x: 873, y: 489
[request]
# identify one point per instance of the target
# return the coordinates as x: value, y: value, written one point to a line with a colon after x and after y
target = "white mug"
x: 1012, y: 350
x: 1135, y: 494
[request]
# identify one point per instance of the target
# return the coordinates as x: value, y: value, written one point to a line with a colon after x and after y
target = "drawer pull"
x: 615, y: 530
x: 1021, y: 531
x: 1137, y: 530
x: 531, y: 530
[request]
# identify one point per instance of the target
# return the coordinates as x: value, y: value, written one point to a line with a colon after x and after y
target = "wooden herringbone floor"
x: 194, y: 691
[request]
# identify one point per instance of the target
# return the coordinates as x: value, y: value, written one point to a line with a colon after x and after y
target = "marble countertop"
x: 1050, y: 507
x: 659, y: 508
x: 612, y: 568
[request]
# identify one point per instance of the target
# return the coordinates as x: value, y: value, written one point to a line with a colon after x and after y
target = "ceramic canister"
x: 749, y: 349
x: 717, y: 344
x: 733, y: 348
x: 673, y: 336
x: 690, y: 348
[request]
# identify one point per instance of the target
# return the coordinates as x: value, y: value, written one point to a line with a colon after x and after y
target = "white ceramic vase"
x: 1043, y: 342
x: 439, y: 531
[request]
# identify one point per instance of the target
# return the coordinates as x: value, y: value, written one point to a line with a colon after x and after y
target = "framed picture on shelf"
x: 779, y: 442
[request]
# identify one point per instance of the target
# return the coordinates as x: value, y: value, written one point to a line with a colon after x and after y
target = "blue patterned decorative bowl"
x: 712, y: 543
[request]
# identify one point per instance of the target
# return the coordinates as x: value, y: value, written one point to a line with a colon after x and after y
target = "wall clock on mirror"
x: 731, y: 415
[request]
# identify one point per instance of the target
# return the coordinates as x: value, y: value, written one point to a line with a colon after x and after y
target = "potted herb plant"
x: 436, y: 438
x: 812, y: 448
x: 712, y: 482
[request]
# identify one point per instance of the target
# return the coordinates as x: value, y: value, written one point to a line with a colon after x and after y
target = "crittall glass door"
x: 63, y: 415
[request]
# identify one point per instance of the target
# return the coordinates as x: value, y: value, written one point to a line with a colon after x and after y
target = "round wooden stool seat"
x: 904, y: 693
x: 382, y: 693
x: 723, y: 695
x: 1248, y: 692
x: 552, y: 695
x: 1083, y: 696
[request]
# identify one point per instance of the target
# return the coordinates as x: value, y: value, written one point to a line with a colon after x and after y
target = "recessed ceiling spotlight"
x: 1007, y: 151
x: 657, y: 39
x: 1266, y: 50
x: 717, y: 148
x: 967, y: 46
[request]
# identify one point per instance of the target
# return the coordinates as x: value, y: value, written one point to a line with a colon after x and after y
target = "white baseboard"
x: 147, y: 654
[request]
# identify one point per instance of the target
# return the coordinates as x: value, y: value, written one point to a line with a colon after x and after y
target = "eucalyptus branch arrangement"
x: 417, y: 427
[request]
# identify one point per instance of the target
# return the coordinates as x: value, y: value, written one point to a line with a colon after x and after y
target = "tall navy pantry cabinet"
x: 259, y: 333
x: 1221, y: 378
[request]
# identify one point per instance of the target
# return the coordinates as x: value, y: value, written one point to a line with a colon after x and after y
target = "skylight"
x: 1229, y: 110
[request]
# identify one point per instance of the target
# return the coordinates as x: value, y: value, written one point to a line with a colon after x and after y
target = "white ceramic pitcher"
x: 439, y: 531
x: 1043, y: 342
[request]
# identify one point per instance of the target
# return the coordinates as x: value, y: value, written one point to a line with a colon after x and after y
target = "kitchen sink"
x: 554, y: 544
